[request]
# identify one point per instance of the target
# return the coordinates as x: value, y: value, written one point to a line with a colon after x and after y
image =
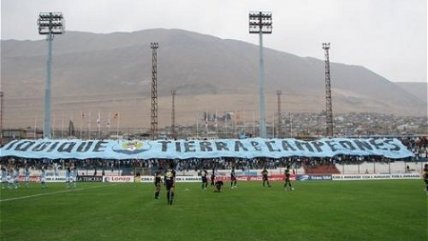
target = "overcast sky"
x: 387, y: 36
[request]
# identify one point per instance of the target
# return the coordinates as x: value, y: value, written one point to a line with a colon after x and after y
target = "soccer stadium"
x: 128, y: 127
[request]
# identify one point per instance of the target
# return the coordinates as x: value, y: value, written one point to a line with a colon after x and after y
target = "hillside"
x: 110, y: 73
x: 418, y: 89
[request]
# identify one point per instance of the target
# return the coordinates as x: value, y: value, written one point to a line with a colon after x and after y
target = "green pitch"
x: 363, y: 210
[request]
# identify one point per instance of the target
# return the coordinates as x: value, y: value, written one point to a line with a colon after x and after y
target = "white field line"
x: 52, y: 193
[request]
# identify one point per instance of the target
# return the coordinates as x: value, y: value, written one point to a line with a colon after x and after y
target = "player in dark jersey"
x: 170, y: 184
x: 158, y: 182
x: 218, y: 184
x: 213, y: 177
x: 204, y: 175
x: 287, y: 184
x: 265, y: 177
x: 233, y: 178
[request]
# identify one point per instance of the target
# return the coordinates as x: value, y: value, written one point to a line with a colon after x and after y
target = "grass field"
x: 357, y: 210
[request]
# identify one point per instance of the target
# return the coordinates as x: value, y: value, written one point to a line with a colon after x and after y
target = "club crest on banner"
x: 131, y: 147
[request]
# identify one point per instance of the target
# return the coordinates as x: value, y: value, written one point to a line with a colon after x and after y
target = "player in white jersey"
x: 3, y: 177
x: 68, y: 176
x: 27, y: 175
x: 55, y: 166
x: 10, y: 180
x: 43, y: 177
x: 73, y: 176
x: 16, y: 177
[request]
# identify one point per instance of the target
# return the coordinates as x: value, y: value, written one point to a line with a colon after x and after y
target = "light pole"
x: 261, y: 23
x: 173, y: 134
x: 154, y: 104
x: 328, y: 102
x: 50, y: 24
x: 279, y: 127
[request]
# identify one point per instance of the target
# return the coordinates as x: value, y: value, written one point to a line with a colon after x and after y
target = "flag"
x: 108, y: 120
x: 215, y: 119
x: 99, y: 120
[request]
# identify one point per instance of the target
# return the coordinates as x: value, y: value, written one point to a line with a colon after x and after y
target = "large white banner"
x: 184, y: 149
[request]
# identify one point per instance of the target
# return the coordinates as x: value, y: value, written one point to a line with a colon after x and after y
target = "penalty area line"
x: 52, y: 193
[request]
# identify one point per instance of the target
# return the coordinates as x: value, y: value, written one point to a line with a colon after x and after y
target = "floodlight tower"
x: 279, y: 127
x: 173, y: 134
x: 154, y: 106
x: 261, y: 23
x: 329, y: 108
x: 50, y: 24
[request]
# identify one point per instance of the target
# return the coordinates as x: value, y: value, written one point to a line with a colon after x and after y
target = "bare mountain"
x: 418, y: 89
x: 110, y: 73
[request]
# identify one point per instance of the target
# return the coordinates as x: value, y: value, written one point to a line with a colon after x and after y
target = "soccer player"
x: 9, y: 177
x: 15, y: 177
x: 213, y: 177
x: 218, y: 185
x: 43, y: 177
x: 73, y: 176
x: 170, y: 184
x: 68, y: 176
x: 27, y: 175
x: 265, y: 177
x: 204, y: 175
x: 3, y: 177
x: 287, y: 184
x: 158, y: 182
x: 233, y: 178
x: 55, y: 166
